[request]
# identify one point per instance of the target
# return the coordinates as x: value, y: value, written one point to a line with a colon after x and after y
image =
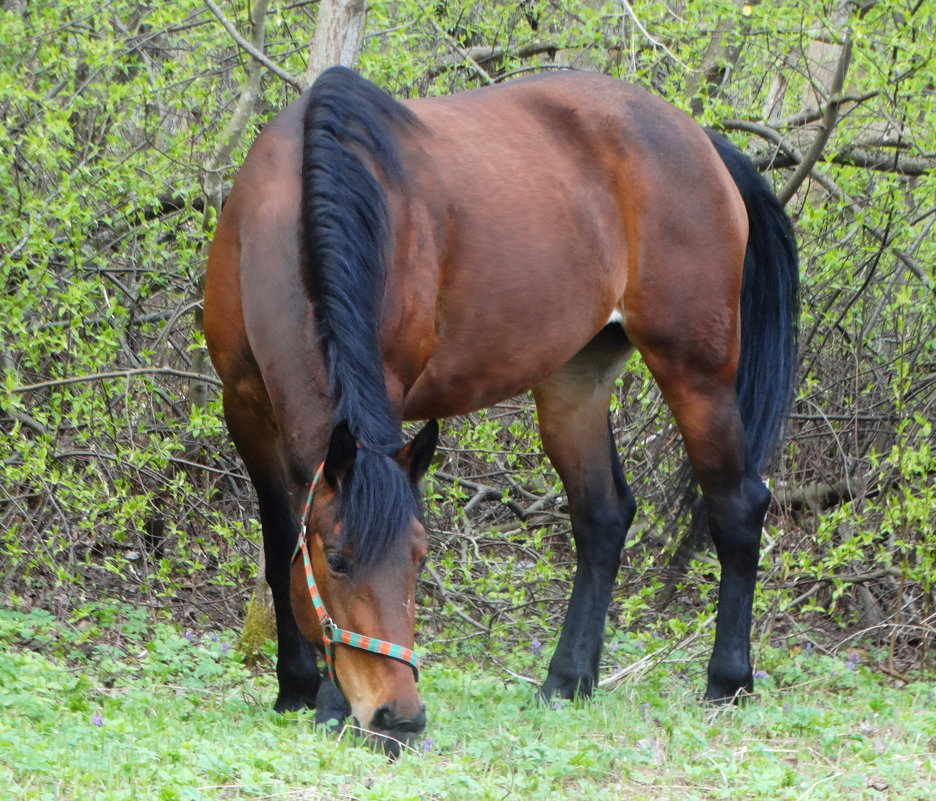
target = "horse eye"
x: 337, y: 563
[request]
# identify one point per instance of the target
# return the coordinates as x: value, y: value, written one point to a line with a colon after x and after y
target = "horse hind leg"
x: 572, y: 406
x: 697, y: 382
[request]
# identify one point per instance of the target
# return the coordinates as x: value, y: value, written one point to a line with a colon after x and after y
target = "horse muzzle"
x: 394, y: 732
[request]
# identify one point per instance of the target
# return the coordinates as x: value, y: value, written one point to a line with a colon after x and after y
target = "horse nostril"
x: 386, y: 719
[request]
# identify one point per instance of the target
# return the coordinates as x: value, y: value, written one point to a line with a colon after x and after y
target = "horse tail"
x: 349, y: 154
x: 769, y: 311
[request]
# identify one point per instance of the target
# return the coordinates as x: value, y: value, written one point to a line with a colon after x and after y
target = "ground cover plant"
x: 179, y: 717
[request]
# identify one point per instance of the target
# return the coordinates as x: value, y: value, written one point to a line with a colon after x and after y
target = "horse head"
x: 353, y: 592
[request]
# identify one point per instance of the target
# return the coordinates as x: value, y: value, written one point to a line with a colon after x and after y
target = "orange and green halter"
x: 331, y: 633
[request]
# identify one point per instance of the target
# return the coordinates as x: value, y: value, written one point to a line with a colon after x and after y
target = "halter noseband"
x: 331, y: 633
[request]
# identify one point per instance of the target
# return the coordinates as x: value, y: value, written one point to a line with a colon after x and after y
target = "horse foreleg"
x: 255, y: 439
x: 573, y: 415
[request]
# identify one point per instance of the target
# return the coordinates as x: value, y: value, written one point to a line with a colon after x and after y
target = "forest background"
x: 121, y: 127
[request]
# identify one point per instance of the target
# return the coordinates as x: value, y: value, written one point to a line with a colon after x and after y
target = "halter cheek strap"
x: 331, y: 633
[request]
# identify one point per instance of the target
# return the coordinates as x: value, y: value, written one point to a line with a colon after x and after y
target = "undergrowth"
x: 132, y: 707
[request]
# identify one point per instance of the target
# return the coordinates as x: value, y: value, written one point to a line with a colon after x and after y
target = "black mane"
x: 349, y: 149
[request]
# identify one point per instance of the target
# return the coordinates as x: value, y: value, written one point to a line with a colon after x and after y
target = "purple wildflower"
x: 760, y: 674
x: 189, y: 635
x: 644, y: 710
x: 426, y: 745
x: 852, y: 660
x: 225, y: 647
x: 97, y: 719
x: 536, y: 646
x: 214, y: 636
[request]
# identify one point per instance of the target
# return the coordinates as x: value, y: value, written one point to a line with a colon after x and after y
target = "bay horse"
x: 380, y: 261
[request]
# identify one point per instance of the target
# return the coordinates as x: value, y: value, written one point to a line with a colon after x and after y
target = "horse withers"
x: 380, y: 261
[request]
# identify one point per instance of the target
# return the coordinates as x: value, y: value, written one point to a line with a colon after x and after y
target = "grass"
x: 83, y: 715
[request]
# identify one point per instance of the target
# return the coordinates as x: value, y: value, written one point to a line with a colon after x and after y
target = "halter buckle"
x: 329, y: 628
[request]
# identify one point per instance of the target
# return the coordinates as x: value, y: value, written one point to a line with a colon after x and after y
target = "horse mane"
x: 349, y: 138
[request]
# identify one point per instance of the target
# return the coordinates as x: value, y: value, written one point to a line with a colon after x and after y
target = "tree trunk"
x: 339, y: 31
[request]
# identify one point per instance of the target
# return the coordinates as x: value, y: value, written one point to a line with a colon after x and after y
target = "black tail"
x: 349, y: 154
x: 769, y: 310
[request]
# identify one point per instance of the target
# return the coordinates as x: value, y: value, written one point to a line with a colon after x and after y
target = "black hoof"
x: 566, y: 688
x: 294, y: 701
x: 728, y: 692
x: 331, y: 708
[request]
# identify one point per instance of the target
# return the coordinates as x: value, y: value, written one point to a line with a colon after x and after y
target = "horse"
x: 381, y: 260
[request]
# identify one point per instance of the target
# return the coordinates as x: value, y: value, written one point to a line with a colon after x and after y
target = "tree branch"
x: 78, y: 379
x: 653, y: 42
x: 832, y: 188
x: 481, y: 56
x: 250, y: 49
x: 816, y: 112
x: 829, y: 118
x: 459, y: 51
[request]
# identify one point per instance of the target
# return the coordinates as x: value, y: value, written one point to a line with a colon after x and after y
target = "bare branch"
x: 250, y: 49
x: 816, y: 112
x: 460, y: 52
x: 784, y: 146
x: 482, y: 56
x: 653, y: 42
x: 78, y: 379
x: 829, y: 119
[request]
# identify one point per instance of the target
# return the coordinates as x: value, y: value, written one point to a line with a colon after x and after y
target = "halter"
x: 331, y: 633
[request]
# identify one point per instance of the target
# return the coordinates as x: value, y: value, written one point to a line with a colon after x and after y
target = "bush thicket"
x: 117, y: 478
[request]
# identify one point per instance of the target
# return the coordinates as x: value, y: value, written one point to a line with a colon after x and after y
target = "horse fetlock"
x: 294, y: 699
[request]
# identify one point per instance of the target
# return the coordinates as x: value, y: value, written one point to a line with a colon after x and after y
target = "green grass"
x: 176, y: 716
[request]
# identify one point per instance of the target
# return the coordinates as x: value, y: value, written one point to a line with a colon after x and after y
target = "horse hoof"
x: 723, y: 693
x: 289, y: 702
x: 556, y: 690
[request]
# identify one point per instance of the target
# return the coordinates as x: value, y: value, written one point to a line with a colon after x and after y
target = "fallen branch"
x: 483, y: 492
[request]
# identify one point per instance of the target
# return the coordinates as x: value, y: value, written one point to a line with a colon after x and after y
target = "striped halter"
x: 331, y: 633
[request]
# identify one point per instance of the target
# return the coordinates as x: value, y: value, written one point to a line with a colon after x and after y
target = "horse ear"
x: 415, y: 456
x: 342, y: 451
